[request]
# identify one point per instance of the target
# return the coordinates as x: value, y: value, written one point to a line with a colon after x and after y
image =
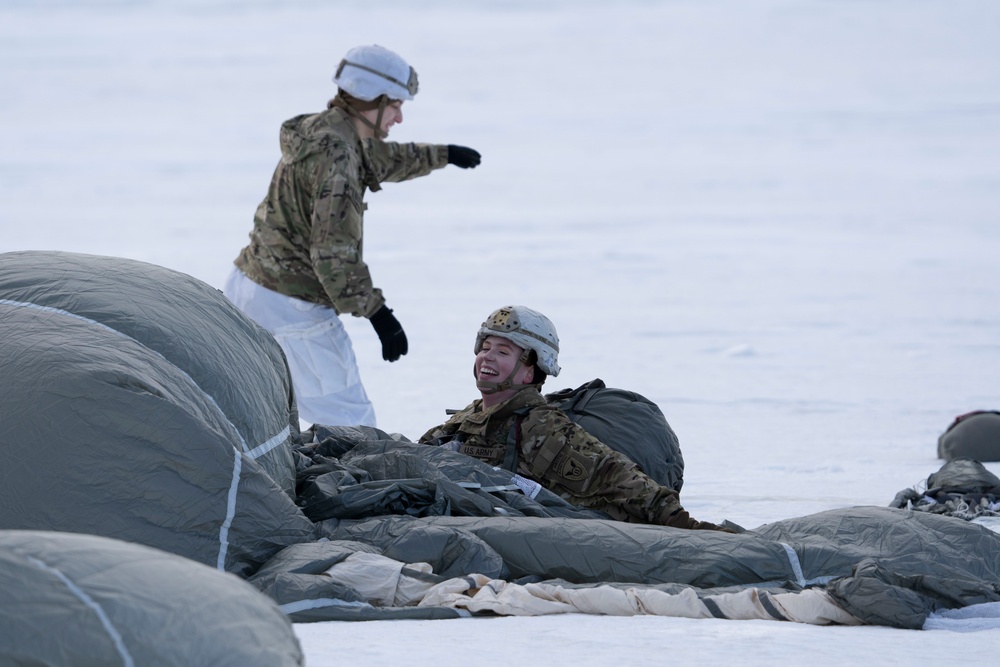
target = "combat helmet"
x: 368, y: 72
x: 529, y: 330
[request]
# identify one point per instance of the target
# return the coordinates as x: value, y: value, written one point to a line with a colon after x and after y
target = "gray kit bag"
x: 628, y: 423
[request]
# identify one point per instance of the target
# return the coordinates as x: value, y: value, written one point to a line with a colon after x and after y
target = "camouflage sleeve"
x: 336, y: 242
x: 393, y: 162
x: 586, y: 472
x: 336, y: 245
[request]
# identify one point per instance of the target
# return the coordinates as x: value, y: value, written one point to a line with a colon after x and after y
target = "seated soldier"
x: 513, y: 427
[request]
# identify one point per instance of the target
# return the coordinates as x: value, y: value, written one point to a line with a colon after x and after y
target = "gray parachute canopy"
x: 68, y: 599
x: 140, y: 404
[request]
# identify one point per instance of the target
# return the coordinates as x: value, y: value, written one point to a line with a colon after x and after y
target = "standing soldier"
x: 513, y: 427
x: 304, y: 266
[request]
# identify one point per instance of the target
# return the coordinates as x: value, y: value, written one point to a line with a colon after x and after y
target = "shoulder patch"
x: 572, y: 469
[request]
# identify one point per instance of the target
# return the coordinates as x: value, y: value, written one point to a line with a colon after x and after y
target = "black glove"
x: 463, y: 156
x: 390, y: 332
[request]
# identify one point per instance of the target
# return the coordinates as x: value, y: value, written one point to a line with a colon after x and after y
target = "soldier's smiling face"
x: 497, y: 359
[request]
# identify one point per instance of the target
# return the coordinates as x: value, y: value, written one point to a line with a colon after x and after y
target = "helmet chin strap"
x: 508, y: 382
x: 375, y: 127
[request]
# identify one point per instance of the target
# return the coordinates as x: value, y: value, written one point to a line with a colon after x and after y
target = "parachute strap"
x: 410, y: 86
x: 586, y: 393
x: 546, y: 454
x: 511, y: 453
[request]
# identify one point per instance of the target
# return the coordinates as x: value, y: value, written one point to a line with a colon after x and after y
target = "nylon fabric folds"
x: 134, y: 396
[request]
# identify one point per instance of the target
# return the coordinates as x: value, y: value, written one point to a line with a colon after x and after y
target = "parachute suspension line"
x: 234, y: 486
x: 793, y: 561
x: 109, y: 626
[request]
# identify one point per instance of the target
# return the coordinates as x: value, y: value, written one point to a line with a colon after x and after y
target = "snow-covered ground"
x: 780, y: 219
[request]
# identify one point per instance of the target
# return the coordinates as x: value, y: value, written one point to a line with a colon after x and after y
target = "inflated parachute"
x: 139, y: 404
x: 68, y: 599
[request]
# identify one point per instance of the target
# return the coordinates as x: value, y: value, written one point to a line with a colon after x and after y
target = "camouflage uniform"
x: 307, y: 237
x: 562, y: 457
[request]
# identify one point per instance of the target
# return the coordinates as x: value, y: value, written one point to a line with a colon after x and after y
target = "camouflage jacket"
x: 562, y: 457
x: 307, y: 238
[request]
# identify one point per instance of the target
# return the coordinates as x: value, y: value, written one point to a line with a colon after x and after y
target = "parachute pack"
x: 628, y: 423
x: 974, y: 435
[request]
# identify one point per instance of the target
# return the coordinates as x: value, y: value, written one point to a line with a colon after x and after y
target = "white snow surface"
x: 779, y: 219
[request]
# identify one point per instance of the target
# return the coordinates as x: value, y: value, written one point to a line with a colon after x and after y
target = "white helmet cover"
x: 368, y: 72
x: 526, y: 328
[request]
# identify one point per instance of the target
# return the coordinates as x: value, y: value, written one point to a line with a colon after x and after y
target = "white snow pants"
x: 321, y: 359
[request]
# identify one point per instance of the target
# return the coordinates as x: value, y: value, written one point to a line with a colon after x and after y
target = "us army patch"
x: 479, y: 452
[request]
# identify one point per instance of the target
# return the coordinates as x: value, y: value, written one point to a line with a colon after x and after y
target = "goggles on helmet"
x: 411, y: 85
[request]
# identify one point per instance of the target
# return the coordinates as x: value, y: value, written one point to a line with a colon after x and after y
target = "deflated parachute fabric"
x: 861, y: 564
x: 904, y: 564
x: 101, y: 433
x: 962, y: 488
x: 191, y: 325
x: 879, y: 566
x: 360, y: 472
x: 68, y: 599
